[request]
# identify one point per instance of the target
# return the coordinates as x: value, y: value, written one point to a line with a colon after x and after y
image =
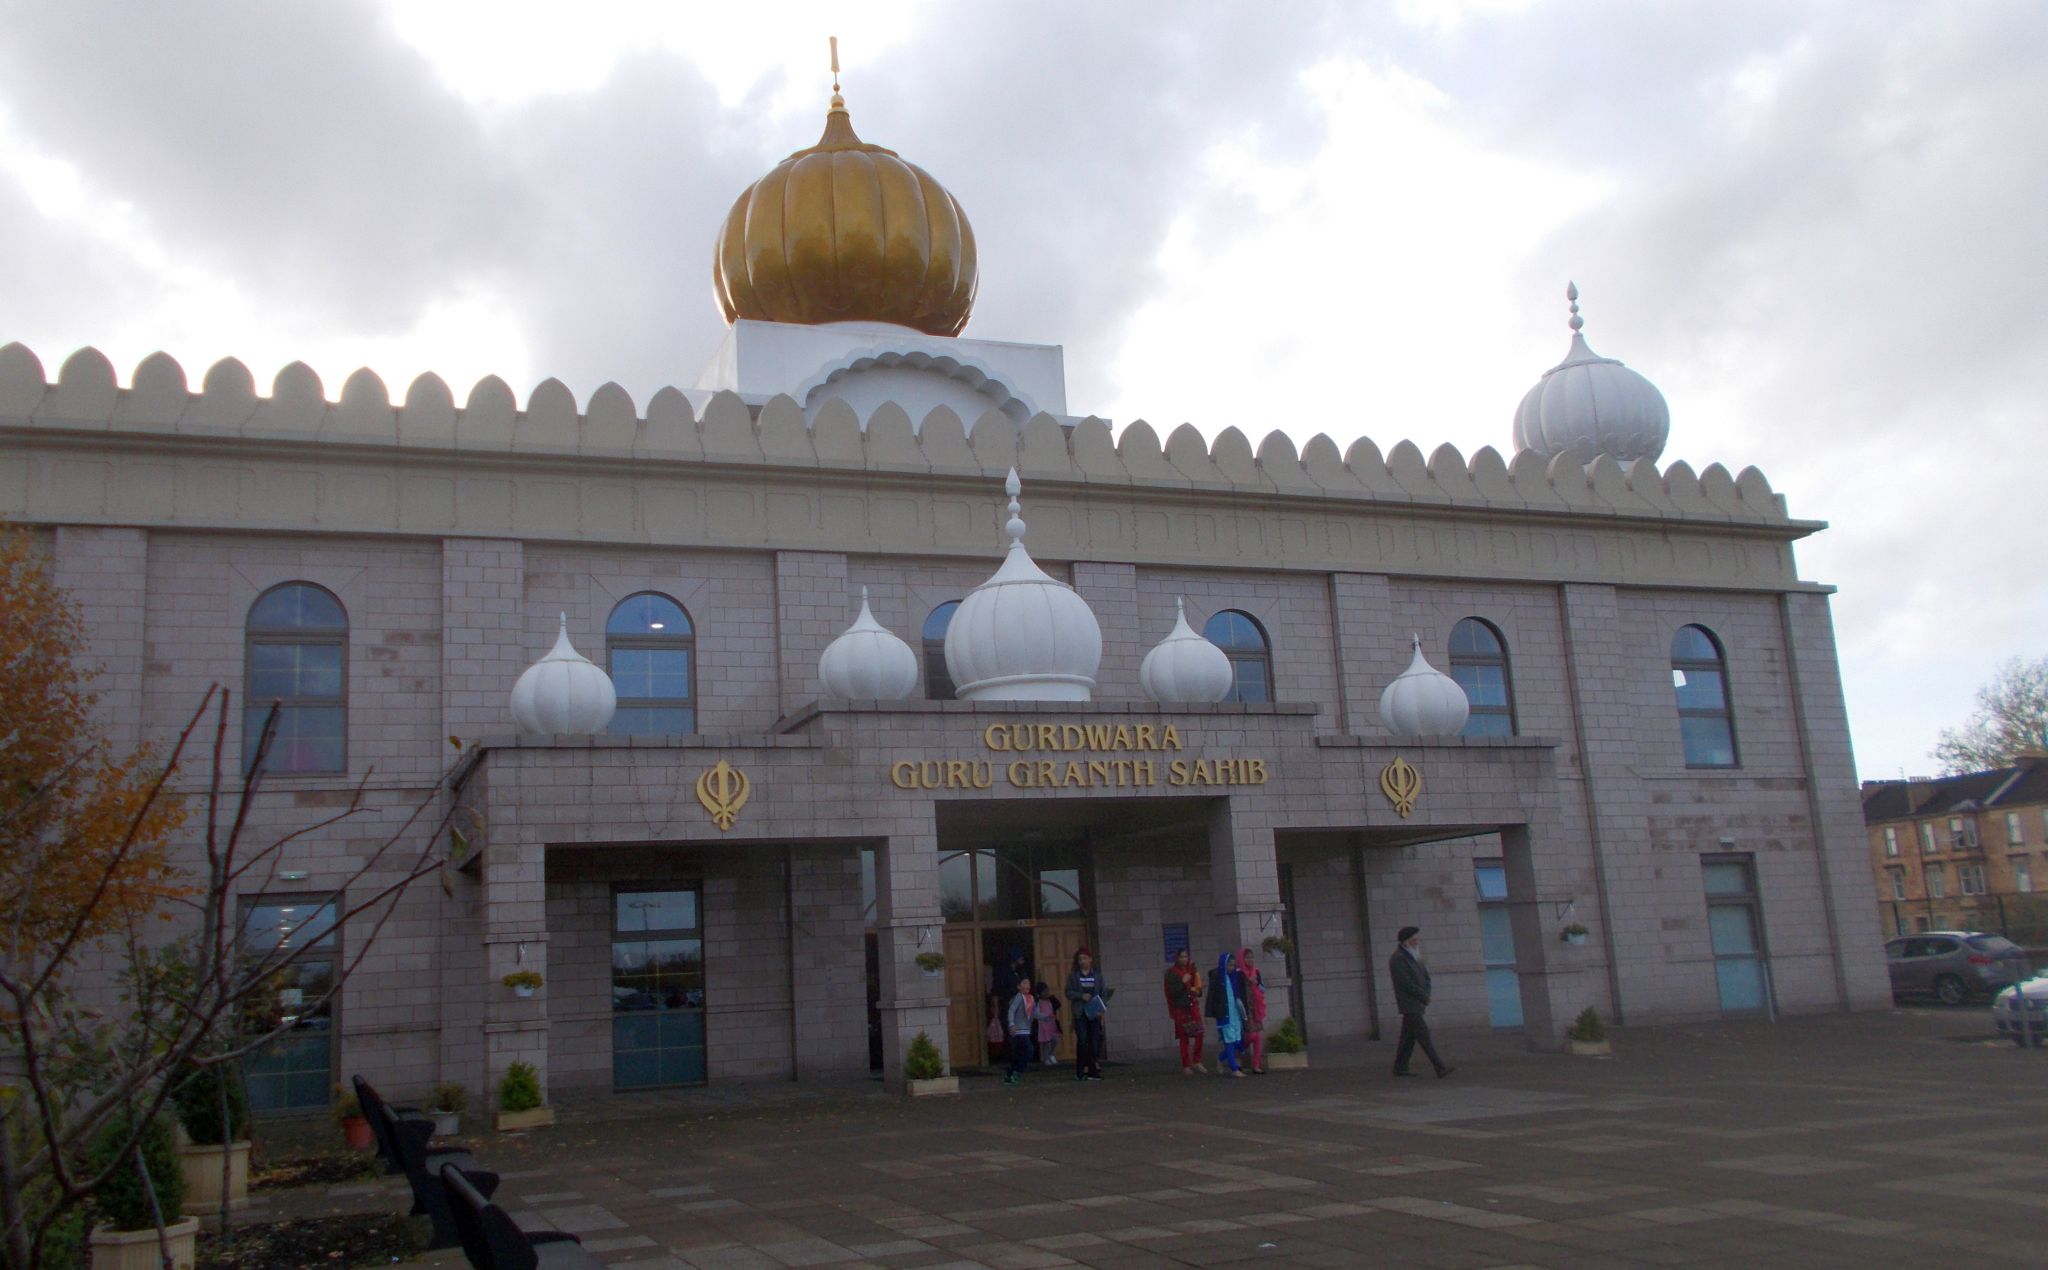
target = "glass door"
x: 1734, y: 931
x: 294, y: 1071
x: 1497, y: 945
x: 657, y: 988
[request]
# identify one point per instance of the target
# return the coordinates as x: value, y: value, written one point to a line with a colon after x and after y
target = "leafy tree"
x: 83, y: 833
x: 85, y: 864
x: 2011, y: 718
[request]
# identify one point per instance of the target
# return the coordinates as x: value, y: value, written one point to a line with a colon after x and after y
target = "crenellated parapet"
x: 86, y: 397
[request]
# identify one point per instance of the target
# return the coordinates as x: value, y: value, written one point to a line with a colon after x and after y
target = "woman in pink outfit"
x: 1254, y: 1011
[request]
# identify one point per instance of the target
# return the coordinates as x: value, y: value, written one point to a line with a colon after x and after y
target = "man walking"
x: 1411, y: 998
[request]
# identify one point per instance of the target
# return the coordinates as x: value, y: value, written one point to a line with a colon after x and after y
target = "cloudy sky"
x: 1821, y: 229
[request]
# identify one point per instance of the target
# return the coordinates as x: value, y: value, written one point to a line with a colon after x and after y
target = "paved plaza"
x: 1896, y: 1138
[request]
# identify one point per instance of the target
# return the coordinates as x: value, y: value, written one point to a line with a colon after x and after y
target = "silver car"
x: 2019, y: 1029
x: 1953, y: 966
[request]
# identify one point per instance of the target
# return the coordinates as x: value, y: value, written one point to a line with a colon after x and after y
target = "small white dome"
x: 1423, y: 701
x: 1184, y: 667
x: 563, y: 694
x: 867, y: 662
x: 1021, y: 636
x: 1588, y: 405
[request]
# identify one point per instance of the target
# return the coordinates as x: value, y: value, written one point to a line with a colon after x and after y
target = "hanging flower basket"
x: 523, y: 982
x: 932, y: 963
x: 1574, y: 934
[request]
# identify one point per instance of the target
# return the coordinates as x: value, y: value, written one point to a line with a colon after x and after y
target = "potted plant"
x: 137, y: 1195
x: 1277, y: 945
x: 523, y: 982
x: 1574, y: 934
x: 924, y: 1071
x: 932, y: 963
x: 1286, y: 1050
x: 447, y: 1103
x: 1587, y: 1034
x: 213, y: 1151
x: 348, y: 1113
x: 519, y: 1101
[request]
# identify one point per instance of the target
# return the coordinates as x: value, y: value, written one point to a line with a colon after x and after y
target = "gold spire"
x: 838, y: 102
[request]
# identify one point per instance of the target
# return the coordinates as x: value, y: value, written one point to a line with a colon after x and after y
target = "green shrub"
x: 198, y: 1095
x: 345, y: 1105
x: 1587, y: 1027
x: 449, y: 1097
x: 520, y: 1089
x: 123, y: 1198
x: 63, y: 1242
x: 922, y: 1061
x: 1286, y: 1039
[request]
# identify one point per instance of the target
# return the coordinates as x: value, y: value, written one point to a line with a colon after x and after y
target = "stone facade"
x: 453, y: 539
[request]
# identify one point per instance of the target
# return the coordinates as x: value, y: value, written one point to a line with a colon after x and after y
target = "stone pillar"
x: 483, y: 633
x: 1547, y: 986
x: 1112, y: 594
x: 907, y: 923
x: 1834, y: 804
x: 1369, y: 651
x: 826, y: 937
x: 105, y: 573
x: 1616, y: 806
x: 813, y: 604
x: 1245, y: 871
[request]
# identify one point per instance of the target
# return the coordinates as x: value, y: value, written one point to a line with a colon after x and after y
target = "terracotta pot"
x: 355, y: 1130
x: 201, y: 1165
x: 137, y: 1249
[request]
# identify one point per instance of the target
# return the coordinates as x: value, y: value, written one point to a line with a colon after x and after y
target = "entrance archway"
x: 1001, y: 904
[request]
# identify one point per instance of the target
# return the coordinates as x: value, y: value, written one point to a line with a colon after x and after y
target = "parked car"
x: 2005, y: 1012
x: 1953, y: 966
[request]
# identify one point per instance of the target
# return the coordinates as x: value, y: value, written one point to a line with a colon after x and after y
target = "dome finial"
x: 1571, y: 293
x: 838, y: 102
x: 1015, y: 527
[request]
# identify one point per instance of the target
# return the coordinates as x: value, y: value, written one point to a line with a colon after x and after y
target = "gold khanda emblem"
x: 1401, y: 784
x: 723, y: 790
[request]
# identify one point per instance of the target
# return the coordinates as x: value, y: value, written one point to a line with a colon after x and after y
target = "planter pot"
x: 355, y: 1131
x: 937, y: 1085
x: 1286, y: 1062
x: 522, y: 990
x: 447, y: 1123
x: 137, y: 1249
x: 538, y: 1118
x: 1588, y: 1047
x: 1575, y: 941
x: 931, y: 974
x: 201, y: 1165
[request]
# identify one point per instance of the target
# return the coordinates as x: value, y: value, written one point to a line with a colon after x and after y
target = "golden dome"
x: 847, y: 232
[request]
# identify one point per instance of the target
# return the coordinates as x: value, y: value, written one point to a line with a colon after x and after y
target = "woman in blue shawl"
x: 1226, y: 1006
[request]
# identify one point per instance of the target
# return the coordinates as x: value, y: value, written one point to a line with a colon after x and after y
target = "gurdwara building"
x: 797, y: 705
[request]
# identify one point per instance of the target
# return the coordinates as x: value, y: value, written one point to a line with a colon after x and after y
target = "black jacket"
x: 1411, y: 982
x: 1217, y: 1006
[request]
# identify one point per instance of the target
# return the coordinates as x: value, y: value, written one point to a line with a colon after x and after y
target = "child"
x: 1047, y: 1033
x: 1018, y: 1019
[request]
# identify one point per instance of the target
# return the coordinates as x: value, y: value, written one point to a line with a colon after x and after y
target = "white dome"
x: 1021, y: 636
x: 1588, y: 405
x: 867, y: 662
x: 1423, y: 701
x: 1184, y: 667
x: 563, y: 694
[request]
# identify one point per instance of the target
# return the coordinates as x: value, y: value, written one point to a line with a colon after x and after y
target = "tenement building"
x: 1961, y: 852
x: 795, y: 707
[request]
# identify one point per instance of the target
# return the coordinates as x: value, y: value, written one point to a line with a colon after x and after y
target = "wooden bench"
x: 422, y: 1168
x: 493, y: 1241
x: 373, y: 1106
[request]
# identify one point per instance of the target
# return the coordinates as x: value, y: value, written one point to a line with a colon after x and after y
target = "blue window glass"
x: 295, y: 663
x: 1699, y: 682
x: 657, y: 988
x: 291, y: 944
x: 651, y: 654
x: 938, y: 677
x: 1479, y: 662
x: 1244, y: 642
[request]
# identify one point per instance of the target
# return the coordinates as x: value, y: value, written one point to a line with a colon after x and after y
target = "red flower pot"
x: 355, y: 1130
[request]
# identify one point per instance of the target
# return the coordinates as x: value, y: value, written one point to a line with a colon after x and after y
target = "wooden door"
x: 966, y: 1009
x: 1053, y: 948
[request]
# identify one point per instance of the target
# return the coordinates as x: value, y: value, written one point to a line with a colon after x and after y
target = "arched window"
x: 651, y: 651
x: 1479, y: 662
x: 1699, y: 675
x: 938, y: 681
x: 295, y: 657
x: 1243, y: 640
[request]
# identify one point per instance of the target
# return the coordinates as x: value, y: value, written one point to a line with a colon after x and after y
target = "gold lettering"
x: 1043, y: 777
x: 1020, y: 773
x: 1177, y: 772
x: 1170, y: 739
x: 994, y: 733
x: 1048, y: 736
x: 1145, y: 737
x: 1141, y: 771
x: 1098, y: 736
x: 1074, y: 775
x: 1258, y: 766
x: 1122, y: 767
x: 956, y: 773
x: 1098, y: 772
x: 1072, y: 737
x: 903, y: 775
x: 983, y: 775
x: 928, y: 775
x: 1123, y: 737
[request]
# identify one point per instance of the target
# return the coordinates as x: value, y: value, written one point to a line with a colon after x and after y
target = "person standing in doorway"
x: 1226, y: 1006
x: 1184, y: 1007
x: 1019, y: 1020
x: 1089, y: 1000
x: 1254, y: 1011
x: 1046, y: 1016
x: 1411, y: 998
